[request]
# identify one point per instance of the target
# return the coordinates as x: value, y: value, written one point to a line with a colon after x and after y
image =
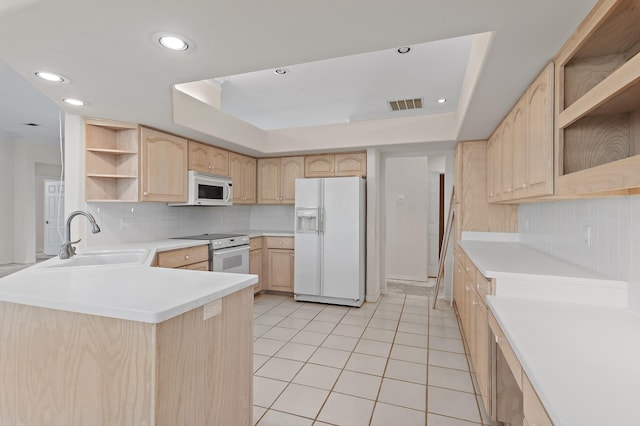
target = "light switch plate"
x: 212, y: 309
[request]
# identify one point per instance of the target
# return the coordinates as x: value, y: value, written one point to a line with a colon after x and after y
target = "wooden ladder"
x: 445, y: 246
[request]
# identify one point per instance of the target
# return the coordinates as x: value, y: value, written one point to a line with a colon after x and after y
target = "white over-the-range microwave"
x: 207, y: 190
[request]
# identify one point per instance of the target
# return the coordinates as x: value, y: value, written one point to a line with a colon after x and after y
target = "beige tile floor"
x: 394, y: 362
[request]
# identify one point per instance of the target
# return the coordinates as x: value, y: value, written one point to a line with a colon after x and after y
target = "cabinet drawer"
x: 484, y: 286
x: 534, y: 412
x: 200, y: 266
x: 255, y: 243
x: 182, y: 257
x: 280, y: 242
x: 509, y: 354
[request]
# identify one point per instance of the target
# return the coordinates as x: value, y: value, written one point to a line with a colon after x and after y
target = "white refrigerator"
x: 330, y: 240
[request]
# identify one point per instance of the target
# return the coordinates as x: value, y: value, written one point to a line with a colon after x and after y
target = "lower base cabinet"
x: 67, y: 368
x: 256, y: 262
x: 280, y: 261
x: 195, y: 258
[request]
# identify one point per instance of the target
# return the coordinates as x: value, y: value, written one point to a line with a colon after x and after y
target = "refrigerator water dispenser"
x: 307, y: 220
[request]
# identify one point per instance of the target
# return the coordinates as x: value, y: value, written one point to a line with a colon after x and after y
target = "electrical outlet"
x: 587, y: 235
x: 212, y: 309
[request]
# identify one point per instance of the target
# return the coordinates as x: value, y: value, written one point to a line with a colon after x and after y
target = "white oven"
x: 227, y: 252
x: 232, y: 259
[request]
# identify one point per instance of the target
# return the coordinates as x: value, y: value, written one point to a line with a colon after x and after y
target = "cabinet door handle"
x: 144, y: 193
x: 186, y: 257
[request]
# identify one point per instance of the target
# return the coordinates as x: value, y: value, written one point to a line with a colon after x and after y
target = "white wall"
x: 6, y: 207
x: 136, y: 222
x: 18, y: 164
x: 406, y: 208
x: 560, y: 228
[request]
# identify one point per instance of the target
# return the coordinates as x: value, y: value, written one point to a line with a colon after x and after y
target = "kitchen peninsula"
x: 125, y: 343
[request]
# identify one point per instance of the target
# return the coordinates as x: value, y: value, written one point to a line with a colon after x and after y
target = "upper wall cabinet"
x: 242, y: 170
x: 520, y: 150
x: 163, y: 167
x: 276, y: 179
x: 111, y: 160
x: 327, y: 165
x: 208, y: 159
x: 598, y: 103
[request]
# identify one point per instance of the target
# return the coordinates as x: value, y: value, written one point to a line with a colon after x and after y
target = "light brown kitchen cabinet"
x: 111, y: 160
x: 506, y: 159
x: 256, y: 262
x: 196, y: 258
x: 534, y: 412
x: 473, y: 211
x: 208, y: 159
x: 520, y: 149
x: 539, y: 136
x: 163, y: 166
x: 280, y: 263
x: 597, y: 104
x: 242, y: 170
x: 328, y: 165
x: 494, y: 169
x: 108, y: 371
x: 319, y: 165
x: 276, y: 179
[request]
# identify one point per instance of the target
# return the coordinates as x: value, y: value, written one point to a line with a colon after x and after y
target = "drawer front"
x: 200, y: 266
x: 280, y: 242
x: 255, y: 243
x: 509, y: 354
x: 534, y: 412
x: 183, y: 257
x: 484, y: 286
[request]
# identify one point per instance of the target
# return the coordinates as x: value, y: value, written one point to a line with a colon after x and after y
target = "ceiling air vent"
x: 405, y: 104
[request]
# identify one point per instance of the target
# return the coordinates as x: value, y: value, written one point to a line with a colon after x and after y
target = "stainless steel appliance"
x: 227, y: 252
x: 207, y: 190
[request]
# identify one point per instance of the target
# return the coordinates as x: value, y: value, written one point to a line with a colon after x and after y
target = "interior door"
x: 53, y: 216
x: 433, y: 225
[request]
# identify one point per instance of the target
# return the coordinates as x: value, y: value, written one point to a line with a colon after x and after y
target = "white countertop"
x: 583, y: 361
x: 522, y: 271
x: 135, y: 292
x: 253, y: 233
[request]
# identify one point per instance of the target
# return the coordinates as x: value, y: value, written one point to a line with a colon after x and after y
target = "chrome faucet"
x: 66, y: 249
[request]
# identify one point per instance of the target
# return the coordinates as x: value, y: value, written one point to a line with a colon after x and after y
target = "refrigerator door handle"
x: 320, y: 221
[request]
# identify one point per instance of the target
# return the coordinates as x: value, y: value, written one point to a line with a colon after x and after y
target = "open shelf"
x: 111, y: 160
x: 598, y: 92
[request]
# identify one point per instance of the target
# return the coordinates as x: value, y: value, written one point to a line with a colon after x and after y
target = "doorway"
x: 53, y: 217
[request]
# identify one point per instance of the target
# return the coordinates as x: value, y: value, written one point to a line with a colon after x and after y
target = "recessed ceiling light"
x: 74, y: 102
x: 403, y: 50
x: 281, y: 71
x: 442, y: 100
x: 50, y: 76
x: 173, y: 42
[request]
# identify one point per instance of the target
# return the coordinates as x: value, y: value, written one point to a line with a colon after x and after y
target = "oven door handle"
x: 230, y: 250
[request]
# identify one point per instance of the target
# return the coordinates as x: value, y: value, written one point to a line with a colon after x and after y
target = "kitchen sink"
x: 104, y: 258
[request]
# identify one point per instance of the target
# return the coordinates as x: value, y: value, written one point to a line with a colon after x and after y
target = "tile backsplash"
x: 600, y: 234
x: 136, y: 222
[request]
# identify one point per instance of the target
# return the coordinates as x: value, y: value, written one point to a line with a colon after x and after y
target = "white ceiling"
x: 350, y: 88
x: 106, y: 50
